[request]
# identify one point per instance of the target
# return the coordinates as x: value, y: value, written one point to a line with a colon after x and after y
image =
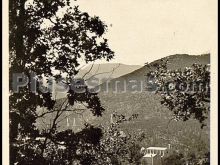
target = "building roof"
x: 149, y: 155
x: 156, y: 148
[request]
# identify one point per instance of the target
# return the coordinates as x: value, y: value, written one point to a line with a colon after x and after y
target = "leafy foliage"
x: 49, y: 39
x: 103, y: 145
x: 120, y: 147
x: 191, y: 159
x: 175, y: 159
x: 185, y: 92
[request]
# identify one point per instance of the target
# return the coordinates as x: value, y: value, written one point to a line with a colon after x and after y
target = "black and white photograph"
x: 110, y: 82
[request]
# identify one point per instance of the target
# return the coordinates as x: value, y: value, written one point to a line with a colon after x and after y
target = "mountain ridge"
x: 176, y: 61
x: 103, y: 70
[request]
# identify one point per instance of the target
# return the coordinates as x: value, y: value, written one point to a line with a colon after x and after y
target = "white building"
x: 151, y: 159
x: 154, y: 155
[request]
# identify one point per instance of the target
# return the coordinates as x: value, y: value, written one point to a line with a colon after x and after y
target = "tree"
x: 48, y: 39
x: 184, y: 92
x: 190, y: 159
x: 86, y: 147
x: 174, y: 159
x: 117, y: 147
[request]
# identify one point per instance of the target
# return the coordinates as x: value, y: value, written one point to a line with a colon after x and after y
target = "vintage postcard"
x: 110, y: 82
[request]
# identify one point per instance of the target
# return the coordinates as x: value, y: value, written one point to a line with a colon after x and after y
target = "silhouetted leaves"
x: 50, y: 43
x: 185, y: 92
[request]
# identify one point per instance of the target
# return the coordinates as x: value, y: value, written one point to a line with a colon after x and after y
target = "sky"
x: 142, y: 31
